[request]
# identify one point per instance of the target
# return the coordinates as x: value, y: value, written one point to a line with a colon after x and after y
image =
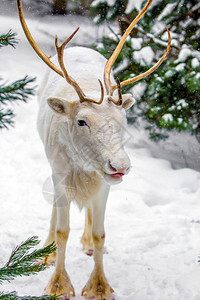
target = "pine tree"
x: 16, y: 91
x: 171, y: 96
x: 23, y: 262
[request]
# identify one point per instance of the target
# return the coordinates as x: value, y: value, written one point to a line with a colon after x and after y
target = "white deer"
x: 83, y: 140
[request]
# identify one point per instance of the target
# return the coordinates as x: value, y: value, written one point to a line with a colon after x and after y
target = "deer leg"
x: 86, y: 240
x: 51, y: 259
x: 97, y: 286
x: 60, y: 282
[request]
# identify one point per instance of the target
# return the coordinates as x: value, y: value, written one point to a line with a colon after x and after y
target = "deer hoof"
x: 97, y: 288
x: 60, y: 284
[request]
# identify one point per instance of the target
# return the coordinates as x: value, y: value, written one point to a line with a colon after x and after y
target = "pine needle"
x: 24, y: 263
x: 17, y: 90
x: 14, y: 296
x: 8, y: 38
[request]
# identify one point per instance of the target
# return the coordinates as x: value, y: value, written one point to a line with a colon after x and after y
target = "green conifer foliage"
x: 8, y: 38
x: 171, y: 97
x: 16, y: 91
x: 23, y: 262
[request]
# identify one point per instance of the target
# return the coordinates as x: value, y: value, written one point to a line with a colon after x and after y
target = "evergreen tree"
x: 171, y: 96
x: 23, y: 262
x: 16, y: 91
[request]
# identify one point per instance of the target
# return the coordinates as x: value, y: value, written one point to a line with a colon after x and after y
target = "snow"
x: 183, y: 55
x: 137, y: 4
x: 195, y: 62
x: 182, y: 103
x: 167, y: 10
x: 97, y: 2
x: 180, y: 67
x: 152, y: 218
x: 138, y: 90
x: 167, y: 117
x: 136, y: 43
x: 169, y: 73
x: 132, y: 5
x: 145, y: 55
x: 197, y: 75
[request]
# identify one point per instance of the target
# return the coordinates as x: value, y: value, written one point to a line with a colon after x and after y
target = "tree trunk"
x: 59, y: 7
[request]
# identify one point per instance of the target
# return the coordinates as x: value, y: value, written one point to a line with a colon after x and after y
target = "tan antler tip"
x: 56, y: 41
x: 169, y: 42
x: 119, y: 101
x: 93, y: 101
x: 149, y: 71
x: 102, y: 92
x: 119, y: 91
x: 112, y: 59
x: 169, y: 37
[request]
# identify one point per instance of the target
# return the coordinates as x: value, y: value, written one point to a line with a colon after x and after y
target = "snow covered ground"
x: 152, y: 218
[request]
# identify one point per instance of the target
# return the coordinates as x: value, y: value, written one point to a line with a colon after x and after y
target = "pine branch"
x: 21, y: 250
x: 14, y: 296
x: 23, y: 263
x: 6, y: 117
x: 8, y: 39
x: 17, y: 90
x: 189, y: 13
x: 11, y: 93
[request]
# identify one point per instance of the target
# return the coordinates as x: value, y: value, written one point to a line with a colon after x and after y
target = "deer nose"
x: 118, y: 170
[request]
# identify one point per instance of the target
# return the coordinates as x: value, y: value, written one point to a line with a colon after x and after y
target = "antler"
x: 70, y: 80
x: 60, y: 50
x: 111, y: 98
x: 109, y: 87
x: 41, y: 54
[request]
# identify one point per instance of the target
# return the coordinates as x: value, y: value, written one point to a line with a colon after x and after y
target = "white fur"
x: 82, y: 157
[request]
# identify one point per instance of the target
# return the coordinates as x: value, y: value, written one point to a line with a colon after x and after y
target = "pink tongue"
x: 118, y: 175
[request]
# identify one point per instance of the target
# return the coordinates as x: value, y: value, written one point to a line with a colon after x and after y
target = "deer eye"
x: 82, y: 123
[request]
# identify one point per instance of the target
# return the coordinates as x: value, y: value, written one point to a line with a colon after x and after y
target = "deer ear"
x: 61, y: 106
x: 127, y: 101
